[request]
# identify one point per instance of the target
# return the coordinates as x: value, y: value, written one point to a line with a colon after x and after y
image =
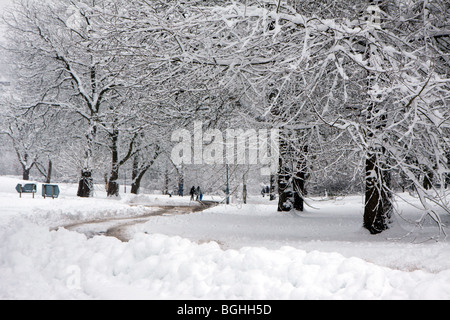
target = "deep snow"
x: 235, y: 252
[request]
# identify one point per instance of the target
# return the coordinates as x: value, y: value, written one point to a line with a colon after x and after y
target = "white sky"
x: 3, y: 3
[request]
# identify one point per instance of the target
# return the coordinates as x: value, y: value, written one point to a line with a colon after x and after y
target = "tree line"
x: 360, y: 85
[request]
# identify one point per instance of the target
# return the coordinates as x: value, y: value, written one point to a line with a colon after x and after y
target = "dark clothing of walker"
x: 192, y: 193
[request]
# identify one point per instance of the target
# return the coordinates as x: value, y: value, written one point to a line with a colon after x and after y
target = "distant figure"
x: 192, y: 193
x: 197, y: 193
x: 265, y: 190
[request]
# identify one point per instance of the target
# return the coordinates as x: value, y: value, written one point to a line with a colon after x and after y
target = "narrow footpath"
x: 120, y: 228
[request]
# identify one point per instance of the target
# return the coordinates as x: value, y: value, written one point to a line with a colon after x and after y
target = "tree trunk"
x: 428, y: 179
x: 26, y: 168
x: 299, y: 181
x: 447, y: 175
x: 86, y: 185
x: 244, y: 188
x: 166, y: 182
x: 284, y: 175
x: 113, y: 185
x: 136, y: 184
x: 181, y: 184
x: 26, y: 174
x: 378, y: 204
x: 139, y: 172
x: 273, y: 196
x: 292, y: 174
x: 48, y: 178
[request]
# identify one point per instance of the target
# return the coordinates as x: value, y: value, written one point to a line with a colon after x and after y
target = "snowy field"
x: 235, y: 252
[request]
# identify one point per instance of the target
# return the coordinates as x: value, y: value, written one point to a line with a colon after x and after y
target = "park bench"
x: 50, y: 190
x: 28, y: 188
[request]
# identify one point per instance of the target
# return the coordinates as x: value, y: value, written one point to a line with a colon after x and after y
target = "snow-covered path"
x: 120, y: 227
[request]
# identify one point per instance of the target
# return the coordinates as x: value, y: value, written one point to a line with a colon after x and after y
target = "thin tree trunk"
x: 135, y: 185
x: 166, y: 182
x: 86, y: 183
x: 273, y: 196
x: 180, y: 182
x: 113, y: 185
x: 299, y: 181
x: 49, y: 172
x: 244, y: 188
x: 284, y: 175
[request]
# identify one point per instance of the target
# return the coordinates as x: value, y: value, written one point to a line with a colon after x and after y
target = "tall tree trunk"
x: 447, y: 175
x: 180, y: 182
x: 113, y: 185
x: 378, y: 198
x: 284, y: 176
x: 244, y: 188
x: 378, y: 204
x: 273, y: 195
x: 86, y: 183
x: 166, y: 182
x: 299, y: 179
x: 292, y: 173
x: 48, y: 179
x: 135, y: 185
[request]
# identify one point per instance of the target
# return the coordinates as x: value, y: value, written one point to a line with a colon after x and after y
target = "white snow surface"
x: 227, y: 252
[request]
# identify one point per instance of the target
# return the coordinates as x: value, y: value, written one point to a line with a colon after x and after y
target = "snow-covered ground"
x: 227, y: 252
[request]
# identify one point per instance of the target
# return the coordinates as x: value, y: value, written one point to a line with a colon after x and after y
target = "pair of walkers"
x: 197, y: 193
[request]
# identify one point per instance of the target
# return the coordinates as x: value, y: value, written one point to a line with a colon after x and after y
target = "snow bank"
x: 334, y: 226
x: 63, y: 210
x: 227, y: 252
x: 38, y: 264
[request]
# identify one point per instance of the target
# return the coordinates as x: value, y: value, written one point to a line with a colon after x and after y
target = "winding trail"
x: 120, y: 227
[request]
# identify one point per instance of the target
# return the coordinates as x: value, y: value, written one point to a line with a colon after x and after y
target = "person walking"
x: 197, y: 193
x: 200, y: 194
x: 192, y: 193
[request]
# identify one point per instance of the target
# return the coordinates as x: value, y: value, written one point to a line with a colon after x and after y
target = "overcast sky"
x: 3, y: 3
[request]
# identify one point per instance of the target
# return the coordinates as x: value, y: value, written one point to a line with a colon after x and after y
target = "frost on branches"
x: 357, y: 89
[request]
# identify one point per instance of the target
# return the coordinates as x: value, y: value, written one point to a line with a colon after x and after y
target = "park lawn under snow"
x: 227, y: 252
